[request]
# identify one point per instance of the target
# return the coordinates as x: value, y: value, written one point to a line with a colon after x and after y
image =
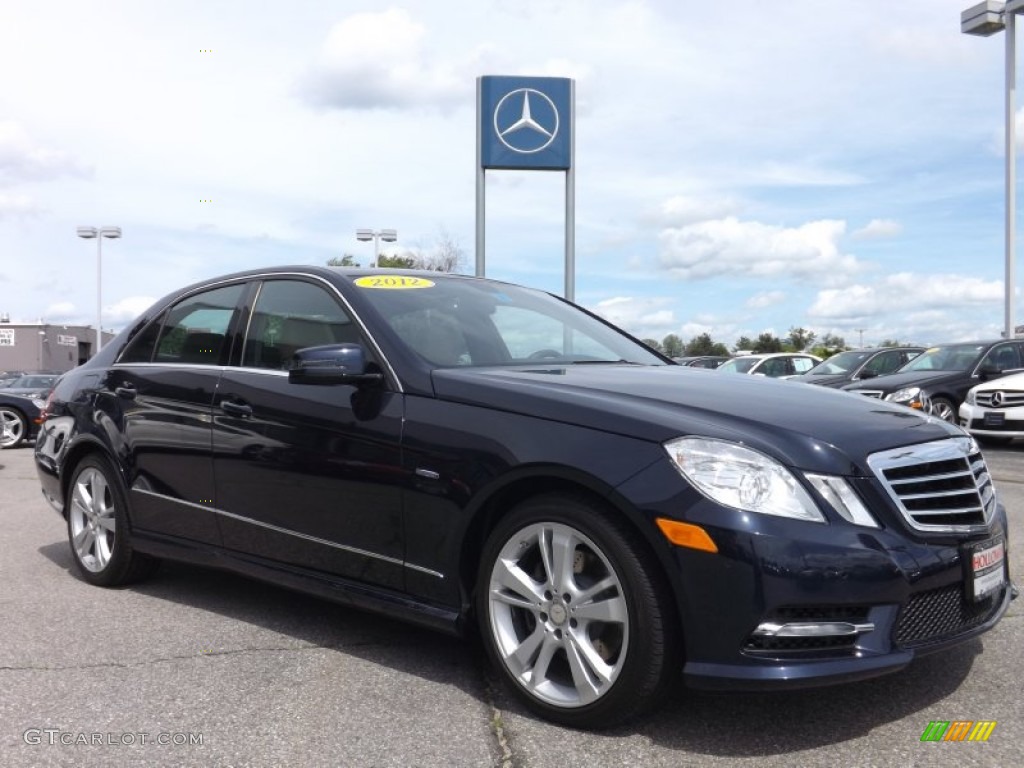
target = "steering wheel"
x: 544, y: 354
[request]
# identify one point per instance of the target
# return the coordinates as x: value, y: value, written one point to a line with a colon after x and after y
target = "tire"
x: 13, y: 427
x: 571, y: 618
x: 944, y: 409
x: 98, y: 531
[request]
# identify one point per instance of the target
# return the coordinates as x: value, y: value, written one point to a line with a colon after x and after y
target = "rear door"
x: 164, y: 385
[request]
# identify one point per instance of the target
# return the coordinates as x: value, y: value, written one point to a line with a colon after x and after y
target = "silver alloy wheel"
x: 943, y: 409
x: 12, y: 427
x: 558, y: 615
x: 92, y: 520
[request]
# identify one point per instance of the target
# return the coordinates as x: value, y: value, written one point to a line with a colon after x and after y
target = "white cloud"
x: 23, y: 159
x: 765, y: 299
x: 649, y: 317
x: 905, y: 292
x: 378, y: 61
x: 60, y: 311
x: 12, y: 206
x: 749, y: 248
x: 683, y: 210
x: 878, y: 229
x: 126, y: 310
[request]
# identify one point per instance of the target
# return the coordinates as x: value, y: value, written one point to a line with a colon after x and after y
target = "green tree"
x: 891, y: 343
x: 348, y: 260
x: 744, y: 344
x: 653, y: 344
x: 768, y: 342
x: 700, y: 345
x: 672, y: 345
x: 800, y: 339
x: 398, y: 262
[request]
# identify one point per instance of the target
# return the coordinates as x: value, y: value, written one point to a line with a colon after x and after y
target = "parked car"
x: 456, y: 451
x: 701, y: 361
x: 6, y: 377
x: 775, y: 365
x: 858, y: 364
x: 31, y: 385
x: 19, y: 419
x: 938, y: 379
x: 994, y: 411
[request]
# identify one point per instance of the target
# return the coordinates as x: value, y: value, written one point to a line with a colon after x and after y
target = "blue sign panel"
x: 525, y: 122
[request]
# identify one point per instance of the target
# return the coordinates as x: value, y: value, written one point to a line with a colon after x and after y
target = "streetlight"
x: 88, y: 233
x: 387, y: 235
x: 984, y: 20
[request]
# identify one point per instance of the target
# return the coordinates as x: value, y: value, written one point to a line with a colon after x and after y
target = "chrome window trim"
x: 263, y: 276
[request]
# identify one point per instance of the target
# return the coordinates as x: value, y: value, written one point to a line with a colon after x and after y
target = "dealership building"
x: 46, y: 347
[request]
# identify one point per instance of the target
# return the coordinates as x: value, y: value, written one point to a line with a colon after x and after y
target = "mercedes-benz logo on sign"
x: 526, y: 120
x: 997, y: 399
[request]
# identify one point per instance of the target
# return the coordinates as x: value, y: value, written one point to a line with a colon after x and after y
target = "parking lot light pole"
x: 387, y: 235
x: 99, y: 233
x: 984, y: 20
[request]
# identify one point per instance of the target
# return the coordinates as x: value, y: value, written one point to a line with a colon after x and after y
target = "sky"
x: 741, y: 167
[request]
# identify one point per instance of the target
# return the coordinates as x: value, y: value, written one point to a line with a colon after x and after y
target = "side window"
x: 1001, y: 357
x: 884, y: 362
x: 140, y: 349
x: 195, y: 329
x: 803, y: 364
x: 290, y: 315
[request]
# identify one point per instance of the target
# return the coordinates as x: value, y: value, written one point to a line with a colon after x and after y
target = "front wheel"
x: 13, y: 427
x: 98, y: 527
x: 571, y: 617
x: 943, y: 409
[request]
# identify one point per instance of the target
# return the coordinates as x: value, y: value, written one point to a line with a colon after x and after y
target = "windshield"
x: 738, y: 365
x: 844, y: 362
x: 952, y: 357
x: 32, y: 382
x: 453, y: 321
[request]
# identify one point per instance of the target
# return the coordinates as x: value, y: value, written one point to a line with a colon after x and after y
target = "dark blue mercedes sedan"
x: 473, y: 455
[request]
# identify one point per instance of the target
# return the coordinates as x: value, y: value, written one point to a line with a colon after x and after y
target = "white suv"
x: 993, y: 412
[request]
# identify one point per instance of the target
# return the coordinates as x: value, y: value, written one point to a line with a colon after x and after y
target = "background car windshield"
x: 33, y: 382
x: 738, y: 364
x: 954, y: 357
x: 844, y: 362
x: 463, y: 322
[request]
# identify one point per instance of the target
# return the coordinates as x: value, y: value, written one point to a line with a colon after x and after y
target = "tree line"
x: 798, y: 340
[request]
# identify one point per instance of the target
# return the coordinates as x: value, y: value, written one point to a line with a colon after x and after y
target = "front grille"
x: 875, y: 393
x: 941, y: 613
x: 942, y: 487
x: 1006, y: 399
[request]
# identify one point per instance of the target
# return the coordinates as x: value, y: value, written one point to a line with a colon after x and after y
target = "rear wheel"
x: 13, y: 427
x: 98, y: 528
x: 571, y: 617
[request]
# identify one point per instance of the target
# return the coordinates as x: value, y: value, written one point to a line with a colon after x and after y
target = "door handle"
x: 231, y: 408
x: 127, y: 391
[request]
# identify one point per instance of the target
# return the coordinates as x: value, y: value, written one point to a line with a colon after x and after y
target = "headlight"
x: 838, y: 493
x: 39, y: 403
x: 741, y: 478
x: 905, y: 396
x: 971, y: 399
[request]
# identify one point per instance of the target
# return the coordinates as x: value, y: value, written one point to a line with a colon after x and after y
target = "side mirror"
x: 332, y: 364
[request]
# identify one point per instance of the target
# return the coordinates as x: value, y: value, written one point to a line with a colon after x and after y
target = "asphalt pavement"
x: 201, y: 668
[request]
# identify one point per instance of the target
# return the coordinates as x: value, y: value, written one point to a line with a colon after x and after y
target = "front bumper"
x: 992, y: 422
x: 854, y: 602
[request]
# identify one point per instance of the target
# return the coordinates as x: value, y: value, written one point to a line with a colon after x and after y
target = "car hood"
x: 812, y: 428
x: 824, y: 379
x: 894, y: 381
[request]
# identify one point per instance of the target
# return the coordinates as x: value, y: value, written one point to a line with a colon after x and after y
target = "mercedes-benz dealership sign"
x: 525, y: 122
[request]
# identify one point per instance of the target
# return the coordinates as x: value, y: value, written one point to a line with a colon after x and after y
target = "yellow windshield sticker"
x: 394, y: 282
